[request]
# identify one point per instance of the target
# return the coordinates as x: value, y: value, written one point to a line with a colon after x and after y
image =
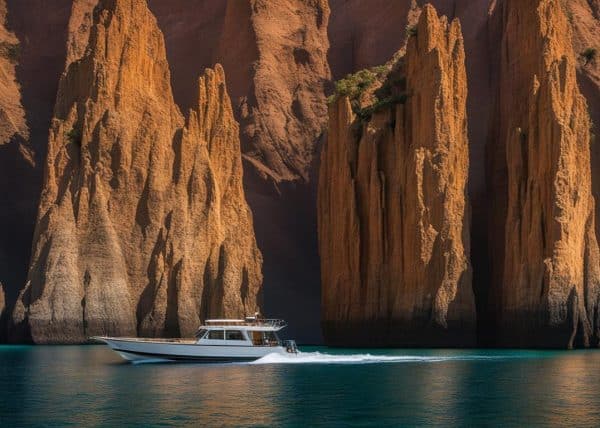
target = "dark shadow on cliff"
x: 41, y: 28
x: 592, y: 95
x: 287, y: 238
x: 487, y: 201
x: 18, y: 189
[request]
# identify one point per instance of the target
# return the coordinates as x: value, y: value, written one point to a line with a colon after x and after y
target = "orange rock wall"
x: 546, y: 264
x: 277, y: 76
x: 143, y: 227
x: 393, y: 211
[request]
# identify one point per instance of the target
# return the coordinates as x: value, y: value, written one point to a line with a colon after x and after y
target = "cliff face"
x: 366, y: 34
x: 281, y: 124
x: 80, y: 24
x: 142, y: 225
x: 275, y: 55
x: 393, y: 211
x: 283, y: 118
x: 278, y: 71
x: 12, y: 115
x: 352, y: 26
x: 584, y: 18
x: 277, y: 62
x: 546, y: 265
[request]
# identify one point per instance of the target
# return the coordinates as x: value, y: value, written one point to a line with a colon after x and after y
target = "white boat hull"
x: 151, y: 350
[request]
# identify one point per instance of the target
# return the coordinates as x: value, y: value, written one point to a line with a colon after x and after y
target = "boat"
x: 216, y: 341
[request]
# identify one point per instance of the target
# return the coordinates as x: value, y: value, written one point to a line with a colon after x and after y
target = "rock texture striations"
x: 393, y: 211
x: 546, y: 261
x: 143, y: 226
x: 275, y: 53
x: 80, y: 25
x: 12, y: 114
x: 584, y: 18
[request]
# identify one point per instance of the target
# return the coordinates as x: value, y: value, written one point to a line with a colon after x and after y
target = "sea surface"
x: 91, y: 386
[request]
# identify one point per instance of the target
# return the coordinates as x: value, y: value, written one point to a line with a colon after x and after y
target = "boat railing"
x: 276, y: 323
x: 251, y: 321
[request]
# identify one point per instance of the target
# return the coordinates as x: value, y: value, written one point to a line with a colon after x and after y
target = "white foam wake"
x: 320, y: 358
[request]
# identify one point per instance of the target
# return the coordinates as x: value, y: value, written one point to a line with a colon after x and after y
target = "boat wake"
x: 320, y: 358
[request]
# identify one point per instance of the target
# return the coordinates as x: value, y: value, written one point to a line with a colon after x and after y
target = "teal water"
x: 91, y: 386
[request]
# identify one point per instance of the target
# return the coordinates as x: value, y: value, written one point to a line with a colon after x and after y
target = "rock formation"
x: 277, y: 61
x: 275, y: 53
x: 584, y: 18
x: 546, y: 261
x: 12, y: 115
x: 275, y: 56
x: 393, y: 210
x: 142, y: 226
x: 80, y: 25
x: 365, y: 34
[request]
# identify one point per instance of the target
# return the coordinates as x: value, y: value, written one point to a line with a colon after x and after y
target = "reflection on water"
x: 566, y: 394
x: 90, y: 386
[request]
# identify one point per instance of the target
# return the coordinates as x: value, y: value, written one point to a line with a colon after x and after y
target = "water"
x: 91, y: 386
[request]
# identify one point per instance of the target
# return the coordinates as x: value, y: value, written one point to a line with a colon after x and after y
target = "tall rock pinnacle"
x: 142, y: 226
x: 546, y: 261
x: 393, y: 210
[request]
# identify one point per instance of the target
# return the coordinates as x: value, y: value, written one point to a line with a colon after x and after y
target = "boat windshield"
x: 200, y: 333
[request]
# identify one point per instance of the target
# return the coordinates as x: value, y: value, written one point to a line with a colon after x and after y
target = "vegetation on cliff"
x: 372, y: 90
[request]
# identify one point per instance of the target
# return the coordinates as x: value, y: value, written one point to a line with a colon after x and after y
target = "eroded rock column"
x: 546, y: 263
x: 143, y: 227
x: 393, y: 209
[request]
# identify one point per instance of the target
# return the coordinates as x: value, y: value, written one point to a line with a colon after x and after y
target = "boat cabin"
x: 250, y: 331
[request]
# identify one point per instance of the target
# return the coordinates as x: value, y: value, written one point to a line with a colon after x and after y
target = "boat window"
x: 234, y: 335
x: 265, y: 338
x: 200, y: 333
x: 270, y: 337
x: 216, y: 334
